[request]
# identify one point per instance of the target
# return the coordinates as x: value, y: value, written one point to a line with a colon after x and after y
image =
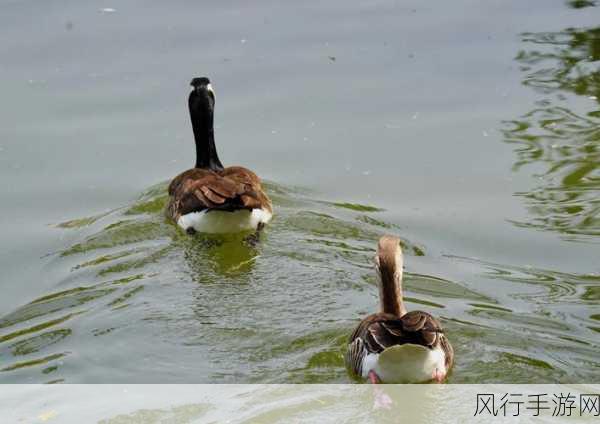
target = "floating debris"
x: 34, y: 81
x: 393, y: 126
x: 108, y: 10
x: 332, y: 58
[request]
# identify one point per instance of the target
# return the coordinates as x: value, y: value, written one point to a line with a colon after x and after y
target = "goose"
x: 396, y: 346
x: 210, y: 198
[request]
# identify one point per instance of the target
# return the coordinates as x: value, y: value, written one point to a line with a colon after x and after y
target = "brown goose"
x: 395, y: 346
x: 210, y: 198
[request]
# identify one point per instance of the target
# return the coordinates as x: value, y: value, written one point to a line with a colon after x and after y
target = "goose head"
x: 202, y: 97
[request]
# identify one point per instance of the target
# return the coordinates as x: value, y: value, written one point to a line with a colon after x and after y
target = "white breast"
x: 407, y: 363
x: 220, y: 222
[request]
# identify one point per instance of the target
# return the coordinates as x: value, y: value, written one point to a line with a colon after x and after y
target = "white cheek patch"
x: 209, y: 88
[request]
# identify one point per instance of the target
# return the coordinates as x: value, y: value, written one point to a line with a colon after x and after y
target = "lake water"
x: 470, y: 129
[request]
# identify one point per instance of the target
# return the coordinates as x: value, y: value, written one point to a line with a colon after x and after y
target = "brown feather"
x: 448, y: 351
x: 231, y: 189
x: 224, y: 187
x: 415, y: 320
x: 212, y: 196
x: 380, y: 331
x: 195, y: 199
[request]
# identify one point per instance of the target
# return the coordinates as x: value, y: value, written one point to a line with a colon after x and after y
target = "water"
x: 284, y: 403
x: 469, y: 130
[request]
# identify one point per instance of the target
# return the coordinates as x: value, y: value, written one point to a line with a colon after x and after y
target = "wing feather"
x: 231, y: 189
x: 380, y: 331
x: 212, y: 195
x: 355, y: 355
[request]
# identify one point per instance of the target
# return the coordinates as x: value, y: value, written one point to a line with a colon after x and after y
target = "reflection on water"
x: 284, y: 403
x: 176, y: 308
x: 562, y: 60
x: 561, y: 142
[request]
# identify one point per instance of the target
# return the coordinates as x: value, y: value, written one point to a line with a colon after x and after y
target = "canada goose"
x: 395, y: 346
x: 210, y: 198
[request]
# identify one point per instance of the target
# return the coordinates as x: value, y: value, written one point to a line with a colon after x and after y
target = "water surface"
x: 469, y: 130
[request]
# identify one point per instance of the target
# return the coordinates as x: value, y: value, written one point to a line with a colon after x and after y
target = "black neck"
x: 201, y: 113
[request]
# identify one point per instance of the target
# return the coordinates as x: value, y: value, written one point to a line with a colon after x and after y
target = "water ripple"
x: 138, y: 294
